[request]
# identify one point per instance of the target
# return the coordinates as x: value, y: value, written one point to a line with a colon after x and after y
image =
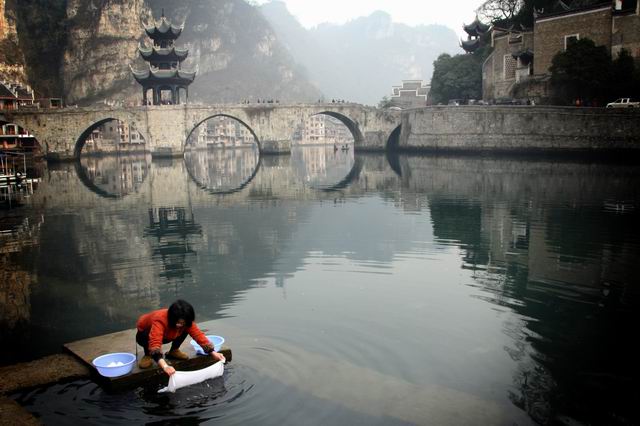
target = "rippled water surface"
x: 352, y: 289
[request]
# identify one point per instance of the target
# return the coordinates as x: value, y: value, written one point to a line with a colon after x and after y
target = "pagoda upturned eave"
x: 476, y: 28
x: 163, y: 30
x: 163, y: 54
x: 470, y: 45
x: 169, y: 77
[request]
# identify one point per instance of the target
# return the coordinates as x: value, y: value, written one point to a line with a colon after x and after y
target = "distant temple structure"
x: 412, y: 94
x: 164, y: 76
x: 474, y: 31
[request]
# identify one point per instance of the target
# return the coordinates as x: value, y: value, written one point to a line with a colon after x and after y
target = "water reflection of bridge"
x: 114, y: 175
x: 495, y: 232
x: 502, y: 217
x: 217, y: 171
x: 223, y: 171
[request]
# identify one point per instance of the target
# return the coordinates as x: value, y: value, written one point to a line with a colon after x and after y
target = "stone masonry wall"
x: 626, y: 35
x: 549, y: 34
x: 495, y: 84
x: 486, y: 128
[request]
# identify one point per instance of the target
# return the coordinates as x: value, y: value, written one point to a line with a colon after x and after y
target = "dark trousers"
x: 142, y: 338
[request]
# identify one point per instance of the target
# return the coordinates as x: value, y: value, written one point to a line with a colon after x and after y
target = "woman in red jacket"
x: 170, y: 325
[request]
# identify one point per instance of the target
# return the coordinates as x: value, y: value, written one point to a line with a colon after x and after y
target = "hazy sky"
x: 451, y: 14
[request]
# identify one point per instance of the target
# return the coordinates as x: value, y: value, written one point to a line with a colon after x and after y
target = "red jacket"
x: 160, y: 330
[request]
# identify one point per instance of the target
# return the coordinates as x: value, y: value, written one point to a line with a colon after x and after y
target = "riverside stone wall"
x: 519, y: 128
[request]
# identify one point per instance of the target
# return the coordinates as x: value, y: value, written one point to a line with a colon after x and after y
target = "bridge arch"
x: 242, y: 184
x: 393, y: 141
x: 353, y: 127
x: 81, y: 140
x: 209, y: 117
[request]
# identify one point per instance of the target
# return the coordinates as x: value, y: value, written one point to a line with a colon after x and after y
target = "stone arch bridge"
x: 165, y: 128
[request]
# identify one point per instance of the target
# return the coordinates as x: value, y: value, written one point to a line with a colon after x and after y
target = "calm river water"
x: 358, y: 289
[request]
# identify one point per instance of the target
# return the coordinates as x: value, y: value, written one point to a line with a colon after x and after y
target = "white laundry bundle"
x: 181, y: 379
x: 115, y: 364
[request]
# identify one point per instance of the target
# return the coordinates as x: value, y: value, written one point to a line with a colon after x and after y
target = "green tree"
x: 507, y: 13
x: 581, y: 72
x: 458, y: 77
x: 625, y: 78
x: 385, y: 102
x: 499, y: 10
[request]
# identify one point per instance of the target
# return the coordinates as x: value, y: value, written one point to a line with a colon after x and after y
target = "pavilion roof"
x: 470, y: 45
x: 160, y: 54
x: 171, y: 76
x: 164, y: 29
x: 476, y: 28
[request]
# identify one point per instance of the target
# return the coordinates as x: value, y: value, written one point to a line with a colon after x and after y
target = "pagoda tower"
x: 164, y: 75
x: 474, y: 31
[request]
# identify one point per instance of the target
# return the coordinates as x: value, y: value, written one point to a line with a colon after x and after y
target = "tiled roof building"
x: 521, y: 58
x: 12, y: 96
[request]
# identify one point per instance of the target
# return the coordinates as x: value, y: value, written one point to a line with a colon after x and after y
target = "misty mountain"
x: 362, y: 59
x: 81, y: 49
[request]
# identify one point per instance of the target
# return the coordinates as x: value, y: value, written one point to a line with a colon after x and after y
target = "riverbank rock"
x: 40, y: 372
x: 12, y: 414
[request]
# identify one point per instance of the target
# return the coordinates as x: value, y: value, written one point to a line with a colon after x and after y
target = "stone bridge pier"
x: 166, y: 128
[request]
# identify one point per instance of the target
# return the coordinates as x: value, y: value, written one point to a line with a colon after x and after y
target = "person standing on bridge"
x: 170, y: 326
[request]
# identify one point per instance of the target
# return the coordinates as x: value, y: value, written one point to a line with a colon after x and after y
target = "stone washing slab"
x: 124, y: 341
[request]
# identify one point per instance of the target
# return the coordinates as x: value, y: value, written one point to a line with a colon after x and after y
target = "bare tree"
x: 498, y: 10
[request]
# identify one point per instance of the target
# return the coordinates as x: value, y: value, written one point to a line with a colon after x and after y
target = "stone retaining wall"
x: 519, y: 128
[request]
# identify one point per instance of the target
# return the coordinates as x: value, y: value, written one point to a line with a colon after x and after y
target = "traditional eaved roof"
x: 172, y: 76
x: 476, y: 28
x: 15, y: 91
x: 163, y: 29
x: 5, y: 93
x: 160, y: 54
x: 568, y: 7
x: 470, y: 45
x: 24, y: 93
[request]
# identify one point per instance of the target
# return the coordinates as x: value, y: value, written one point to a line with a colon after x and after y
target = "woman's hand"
x: 218, y: 356
x: 169, y: 370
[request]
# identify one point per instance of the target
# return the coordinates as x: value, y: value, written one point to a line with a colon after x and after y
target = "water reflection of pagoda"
x: 164, y: 75
x: 172, y: 229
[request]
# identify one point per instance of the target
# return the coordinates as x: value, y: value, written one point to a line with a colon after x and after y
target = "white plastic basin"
x: 114, y: 365
x: 217, y: 342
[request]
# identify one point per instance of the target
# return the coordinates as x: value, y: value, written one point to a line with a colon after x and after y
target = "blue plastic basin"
x: 102, y: 364
x: 217, y: 342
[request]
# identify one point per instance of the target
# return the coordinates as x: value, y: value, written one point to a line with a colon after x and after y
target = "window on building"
x: 508, y: 67
x: 571, y: 38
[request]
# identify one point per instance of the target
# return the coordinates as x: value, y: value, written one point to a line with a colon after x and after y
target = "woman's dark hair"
x: 181, y: 310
